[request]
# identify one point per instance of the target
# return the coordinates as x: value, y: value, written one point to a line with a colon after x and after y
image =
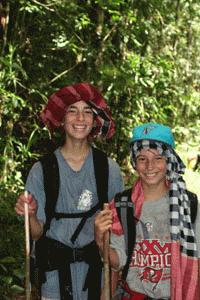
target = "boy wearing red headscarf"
x: 73, y: 265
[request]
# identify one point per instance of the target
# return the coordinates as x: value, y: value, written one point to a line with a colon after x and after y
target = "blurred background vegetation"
x: 144, y: 56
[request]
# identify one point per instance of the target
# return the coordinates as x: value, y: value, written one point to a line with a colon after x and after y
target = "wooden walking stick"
x: 27, y: 243
x: 106, y: 263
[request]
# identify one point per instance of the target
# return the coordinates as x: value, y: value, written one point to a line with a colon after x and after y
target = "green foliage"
x: 143, y: 56
x: 12, y: 247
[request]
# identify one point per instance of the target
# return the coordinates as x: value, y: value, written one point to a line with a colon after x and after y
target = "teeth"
x: 79, y: 127
x: 151, y: 175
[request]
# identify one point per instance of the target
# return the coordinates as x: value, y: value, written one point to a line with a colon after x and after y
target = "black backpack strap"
x: 101, y: 171
x: 51, y: 185
x: 125, y: 211
x: 83, y: 220
x: 193, y: 205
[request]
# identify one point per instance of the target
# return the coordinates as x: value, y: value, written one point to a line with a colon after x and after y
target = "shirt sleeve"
x: 34, y: 185
x: 115, y: 182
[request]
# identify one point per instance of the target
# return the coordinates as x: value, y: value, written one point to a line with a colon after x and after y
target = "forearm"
x: 103, y: 223
x: 114, y: 259
x: 36, y: 227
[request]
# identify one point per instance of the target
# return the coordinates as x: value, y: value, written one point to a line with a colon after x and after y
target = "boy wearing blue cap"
x: 158, y: 249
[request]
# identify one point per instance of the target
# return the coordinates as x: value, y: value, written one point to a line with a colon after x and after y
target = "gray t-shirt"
x: 149, y: 271
x: 77, y: 194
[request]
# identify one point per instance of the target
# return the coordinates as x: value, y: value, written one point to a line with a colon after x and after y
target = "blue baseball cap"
x: 153, y: 131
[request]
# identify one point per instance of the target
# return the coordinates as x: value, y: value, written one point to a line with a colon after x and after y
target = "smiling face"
x: 78, y: 121
x: 151, y: 167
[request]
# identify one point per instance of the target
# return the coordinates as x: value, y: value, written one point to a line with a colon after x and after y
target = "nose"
x: 80, y: 115
x: 149, y: 164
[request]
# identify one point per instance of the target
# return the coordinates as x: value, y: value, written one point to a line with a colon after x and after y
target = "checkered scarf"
x: 184, y: 262
x: 54, y: 112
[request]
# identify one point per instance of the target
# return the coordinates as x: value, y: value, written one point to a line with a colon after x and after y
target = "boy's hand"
x: 102, y: 224
x: 32, y: 205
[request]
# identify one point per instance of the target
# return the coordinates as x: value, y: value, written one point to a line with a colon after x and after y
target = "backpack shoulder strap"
x: 125, y: 211
x: 193, y: 205
x: 123, y: 206
x: 51, y: 185
x: 101, y: 171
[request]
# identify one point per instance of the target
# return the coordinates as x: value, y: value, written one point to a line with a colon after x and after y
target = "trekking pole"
x: 27, y: 240
x: 106, y: 263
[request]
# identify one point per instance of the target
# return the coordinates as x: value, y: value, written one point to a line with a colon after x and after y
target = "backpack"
x: 51, y: 186
x: 125, y: 211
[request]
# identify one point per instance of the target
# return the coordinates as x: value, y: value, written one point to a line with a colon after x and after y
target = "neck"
x: 75, y: 149
x: 154, y: 192
x: 75, y: 153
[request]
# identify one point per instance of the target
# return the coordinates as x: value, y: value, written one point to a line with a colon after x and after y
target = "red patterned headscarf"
x: 55, y: 110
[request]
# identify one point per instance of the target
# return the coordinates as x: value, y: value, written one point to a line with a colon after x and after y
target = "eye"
x: 159, y: 157
x: 88, y: 111
x: 71, y: 110
x: 140, y: 158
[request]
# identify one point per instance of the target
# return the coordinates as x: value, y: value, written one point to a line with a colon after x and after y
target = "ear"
x: 62, y: 122
x: 94, y: 123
